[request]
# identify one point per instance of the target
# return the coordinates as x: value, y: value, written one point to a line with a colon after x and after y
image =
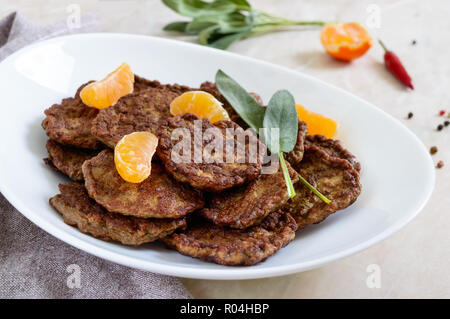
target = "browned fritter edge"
x: 82, y: 212
x: 281, y: 223
x: 91, y: 184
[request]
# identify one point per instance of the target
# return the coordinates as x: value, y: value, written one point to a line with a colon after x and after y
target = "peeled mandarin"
x: 200, y: 103
x: 133, y: 156
x: 107, y: 92
x: 317, y: 123
x: 345, y: 41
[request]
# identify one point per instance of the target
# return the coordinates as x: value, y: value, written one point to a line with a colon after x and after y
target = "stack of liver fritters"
x: 219, y: 211
x: 99, y: 202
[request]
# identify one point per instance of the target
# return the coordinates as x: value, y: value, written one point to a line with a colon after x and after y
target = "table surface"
x: 413, y: 263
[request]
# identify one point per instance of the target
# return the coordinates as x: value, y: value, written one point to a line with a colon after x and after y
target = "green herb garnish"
x: 242, y: 102
x: 281, y: 113
x: 313, y: 189
x: 219, y: 23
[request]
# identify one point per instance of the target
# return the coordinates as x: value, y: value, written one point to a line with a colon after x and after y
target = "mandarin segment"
x: 345, y: 41
x: 317, y: 123
x: 200, y: 103
x: 104, y: 93
x: 133, y: 156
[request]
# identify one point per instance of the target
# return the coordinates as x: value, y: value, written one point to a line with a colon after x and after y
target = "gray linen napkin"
x: 34, y: 264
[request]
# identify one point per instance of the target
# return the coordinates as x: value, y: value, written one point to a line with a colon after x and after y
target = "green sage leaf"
x: 242, y: 4
x: 242, y: 102
x: 225, y: 41
x: 281, y: 114
x: 227, y: 27
x: 205, y: 34
x: 196, y: 8
x: 179, y: 26
x: 229, y: 23
x: 196, y: 26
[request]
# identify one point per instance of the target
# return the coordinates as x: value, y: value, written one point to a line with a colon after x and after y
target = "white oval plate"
x: 397, y: 172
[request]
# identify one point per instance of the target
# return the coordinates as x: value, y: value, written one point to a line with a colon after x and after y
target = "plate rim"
x: 227, y: 273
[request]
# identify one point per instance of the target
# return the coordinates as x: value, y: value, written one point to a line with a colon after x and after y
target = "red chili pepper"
x: 396, y: 67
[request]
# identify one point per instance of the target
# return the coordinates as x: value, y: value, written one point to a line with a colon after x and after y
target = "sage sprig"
x: 219, y: 23
x: 280, y: 114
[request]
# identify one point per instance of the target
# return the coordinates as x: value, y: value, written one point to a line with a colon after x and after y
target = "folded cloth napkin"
x: 33, y: 264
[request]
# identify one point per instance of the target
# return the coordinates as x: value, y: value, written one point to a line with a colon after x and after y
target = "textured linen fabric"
x: 16, y: 31
x: 34, y: 264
